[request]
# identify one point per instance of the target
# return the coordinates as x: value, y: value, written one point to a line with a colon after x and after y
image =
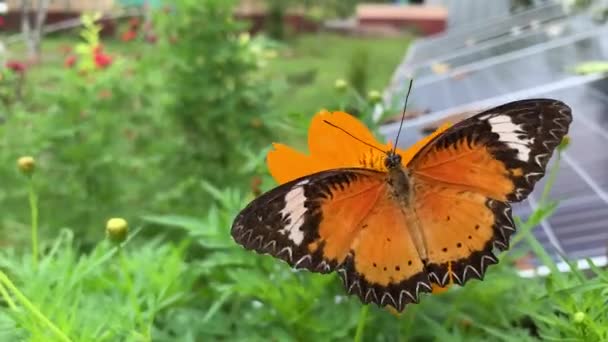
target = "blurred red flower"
x: 69, y: 61
x: 2, y: 22
x: 16, y: 66
x: 102, y: 60
x: 128, y: 36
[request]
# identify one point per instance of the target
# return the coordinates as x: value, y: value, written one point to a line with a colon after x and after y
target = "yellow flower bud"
x: 374, y: 96
x: 26, y: 164
x: 578, y: 317
x: 340, y: 84
x: 117, y: 229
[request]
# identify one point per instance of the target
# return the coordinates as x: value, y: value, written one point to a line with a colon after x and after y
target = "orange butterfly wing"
x: 464, y: 179
x: 460, y: 229
x: 384, y: 266
x: 310, y: 222
x: 340, y: 220
x: 501, y: 152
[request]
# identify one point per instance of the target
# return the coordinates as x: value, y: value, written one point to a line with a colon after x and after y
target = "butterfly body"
x: 398, y: 180
x: 393, y: 231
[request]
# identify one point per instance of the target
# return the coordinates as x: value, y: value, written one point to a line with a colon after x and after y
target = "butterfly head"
x: 392, y: 160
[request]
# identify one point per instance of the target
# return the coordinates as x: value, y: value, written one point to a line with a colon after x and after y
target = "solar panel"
x: 452, y: 40
x: 503, y: 45
x: 533, y: 65
x: 580, y: 224
x: 527, y: 68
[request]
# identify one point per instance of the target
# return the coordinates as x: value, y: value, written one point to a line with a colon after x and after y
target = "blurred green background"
x: 166, y: 124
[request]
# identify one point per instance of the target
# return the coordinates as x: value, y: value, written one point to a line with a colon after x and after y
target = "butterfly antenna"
x: 354, y: 137
x: 409, y: 90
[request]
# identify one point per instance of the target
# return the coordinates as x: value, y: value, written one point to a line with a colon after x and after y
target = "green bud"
x: 374, y: 96
x: 564, y: 143
x: 340, y: 84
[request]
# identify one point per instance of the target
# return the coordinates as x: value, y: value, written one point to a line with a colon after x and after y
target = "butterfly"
x: 392, y: 230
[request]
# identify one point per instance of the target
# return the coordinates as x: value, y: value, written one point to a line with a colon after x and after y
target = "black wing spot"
x: 470, y: 237
x: 397, y: 268
x: 374, y: 264
x: 388, y: 239
x: 385, y: 268
x: 448, y: 218
x: 459, y: 245
x: 476, y: 227
x: 409, y: 263
x: 445, y: 249
x: 373, y: 292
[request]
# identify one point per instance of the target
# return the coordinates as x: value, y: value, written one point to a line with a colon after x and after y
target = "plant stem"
x: 7, y: 298
x: 541, y: 253
x: 4, y: 280
x: 34, y: 220
x: 541, y: 205
x: 537, y: 248
x: 361, y: 323
x: 108, y: 256
x: 124, y: 266
x: 551, y: 179
x: 359, y: 97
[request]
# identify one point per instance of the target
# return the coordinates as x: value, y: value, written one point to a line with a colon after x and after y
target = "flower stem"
x: 358, y: 97
x: 551, y: 179
x: 34, y: 220
x: 7, y: 297
x: 536, y: 246
x: 5, y: 281
x: 361, y: 323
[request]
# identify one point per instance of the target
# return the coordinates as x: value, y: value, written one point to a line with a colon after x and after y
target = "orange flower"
x: 440, y: 289
x: 330, y: 148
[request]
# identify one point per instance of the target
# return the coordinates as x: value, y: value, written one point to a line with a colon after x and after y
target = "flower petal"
x: 286, y: 164
x: 437, y: 289
x: 335, y: 147
x: 407, y: 155
x: 332, y: 148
